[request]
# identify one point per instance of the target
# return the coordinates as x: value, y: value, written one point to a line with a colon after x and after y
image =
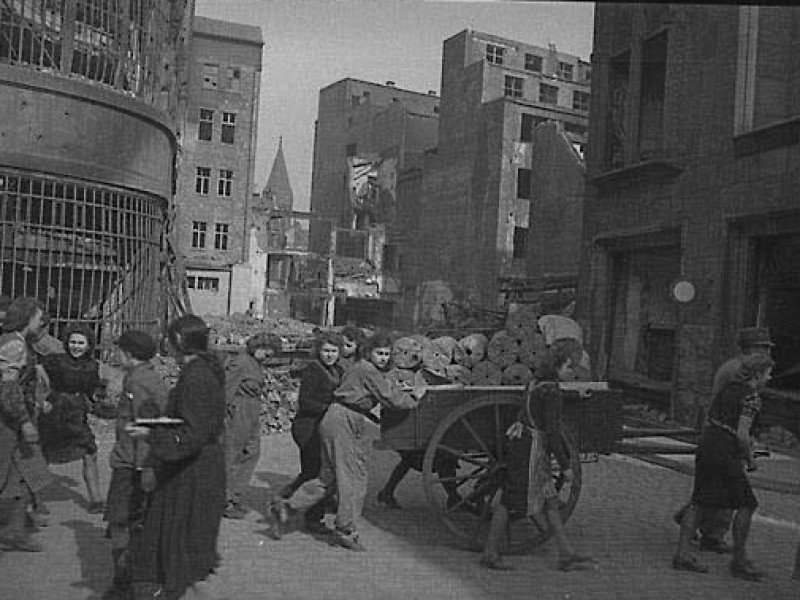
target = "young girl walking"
x: 528, y: 490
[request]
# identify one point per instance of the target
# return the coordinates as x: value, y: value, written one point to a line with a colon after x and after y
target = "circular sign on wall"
x: 683, y: 291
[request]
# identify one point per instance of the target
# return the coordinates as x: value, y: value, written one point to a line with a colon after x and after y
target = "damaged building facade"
x: 692, y: 222
x: 217, y: 166
x: 474, y: 210
x: 89, y: 99
x: 366, y: 134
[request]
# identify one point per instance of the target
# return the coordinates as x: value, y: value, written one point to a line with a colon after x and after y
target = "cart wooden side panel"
x: 594, y: 419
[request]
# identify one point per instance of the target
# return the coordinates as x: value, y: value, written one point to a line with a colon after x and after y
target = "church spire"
x: 278, y: 182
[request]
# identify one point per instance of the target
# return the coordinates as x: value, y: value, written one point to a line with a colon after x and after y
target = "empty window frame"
x: 495, y: 54
x: 221, y: 236
x: 355, y: 100
x: 234, y: 79
x: 209, y: 284
x: 228, y: 127
x: 533, y: 62
x: 580, y: 101
x: 512, y: 86
x: 548, y: 94
x: 191, y: 282
x: 210, y: 76
x: 205, y: 131
x: 202, y: 180
x: 524, y: 183
x: 519, y: 242
x: 566, y: 71
x: 225, y: 183
x: 199, y: 234
x: 527, y: 124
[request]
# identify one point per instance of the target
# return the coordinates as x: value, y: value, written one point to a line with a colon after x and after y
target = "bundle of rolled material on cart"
x: 510, y: 356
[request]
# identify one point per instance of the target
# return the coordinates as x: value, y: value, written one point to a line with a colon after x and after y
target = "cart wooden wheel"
x: 464, y: 455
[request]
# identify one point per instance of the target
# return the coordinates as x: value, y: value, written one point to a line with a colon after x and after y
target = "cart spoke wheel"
x: 463, y: 470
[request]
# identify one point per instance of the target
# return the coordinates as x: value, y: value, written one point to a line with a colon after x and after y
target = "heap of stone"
x: 236, y: 328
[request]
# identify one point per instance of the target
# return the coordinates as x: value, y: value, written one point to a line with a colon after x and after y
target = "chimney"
x: 390, y: 83
x: 431, y: 92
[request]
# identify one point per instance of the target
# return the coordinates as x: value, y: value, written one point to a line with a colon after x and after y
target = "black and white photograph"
x: 399, y: 300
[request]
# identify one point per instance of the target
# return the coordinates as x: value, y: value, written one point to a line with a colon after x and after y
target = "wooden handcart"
x: 464, y: 427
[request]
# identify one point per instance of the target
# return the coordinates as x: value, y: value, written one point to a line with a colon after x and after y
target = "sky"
x: 310, y: 44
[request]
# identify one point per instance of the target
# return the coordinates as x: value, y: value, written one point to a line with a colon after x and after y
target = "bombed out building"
x: 88, y: 101
x: 692, y: 218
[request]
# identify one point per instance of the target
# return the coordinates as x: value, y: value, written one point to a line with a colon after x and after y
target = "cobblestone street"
x: 623, y: 518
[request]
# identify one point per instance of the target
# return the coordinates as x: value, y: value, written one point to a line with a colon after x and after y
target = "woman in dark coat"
x: 65, y: 432
x: 177, y: 548
x: 319, y: 377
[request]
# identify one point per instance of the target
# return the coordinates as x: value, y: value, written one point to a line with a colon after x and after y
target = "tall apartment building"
x: 478, y: 187
x: 89, y: 111
x: 217, y: 164
x: 692, y: 218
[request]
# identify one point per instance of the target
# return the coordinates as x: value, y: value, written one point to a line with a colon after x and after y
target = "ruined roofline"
x: 227, y: 30
x: 380, y: 85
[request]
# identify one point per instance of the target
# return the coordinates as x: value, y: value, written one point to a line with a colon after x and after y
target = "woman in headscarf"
x: 177, y: 547
x: 66, y: 434
x: 720, y: 480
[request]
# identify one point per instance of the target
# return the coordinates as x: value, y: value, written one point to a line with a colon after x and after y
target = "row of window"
x: 211, y: 80
x: 202, y: 182
x: 548, y: 94
x: 210, y: 284
x: 496, y: 55
x: 199, y: 230
x: 205, y: 131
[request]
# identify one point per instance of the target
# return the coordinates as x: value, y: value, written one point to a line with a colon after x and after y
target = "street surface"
x: 623, y: 519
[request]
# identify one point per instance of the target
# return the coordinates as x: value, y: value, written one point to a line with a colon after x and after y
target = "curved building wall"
x: 88, y: 98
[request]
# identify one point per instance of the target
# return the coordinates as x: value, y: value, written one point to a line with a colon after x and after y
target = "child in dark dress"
x: 528, y: 490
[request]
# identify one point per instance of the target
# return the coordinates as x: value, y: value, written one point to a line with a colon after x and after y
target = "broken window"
x: 651, y: 107
x: 205, y: 131
x: 512, y: 87
x: 548, y: 94
x: 225, y: 182
x: 221, y: 236
x: 198, y: 234
x: 228, y: 127
x: 202, y: 180
x: 495, y: 54
x: 210, y: 76
x: 524, y: 183
x: 533, y: 63
x: 234, y: 79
